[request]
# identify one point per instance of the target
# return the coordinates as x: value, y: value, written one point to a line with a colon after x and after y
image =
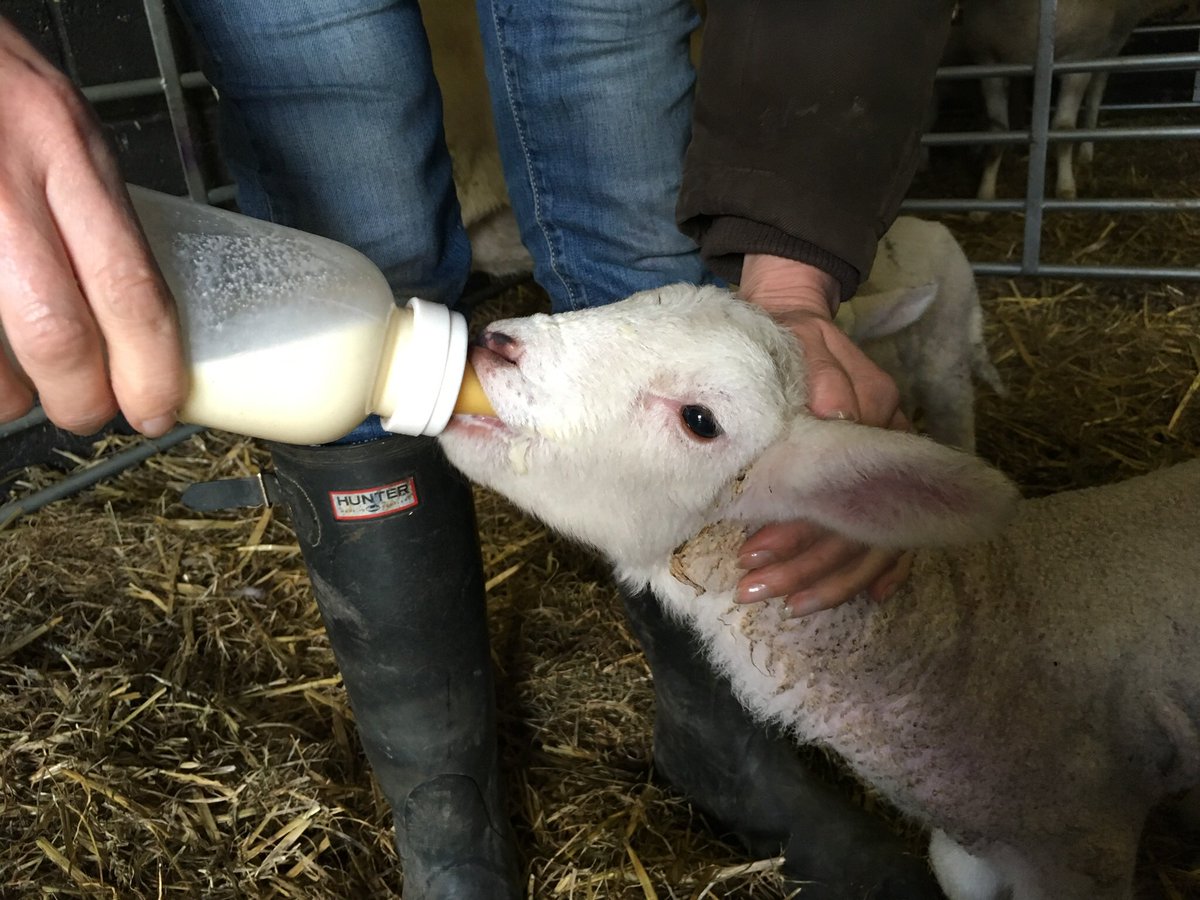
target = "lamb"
x: 918, y: 317
x: 1031, y: 692
x: 1005, y: 31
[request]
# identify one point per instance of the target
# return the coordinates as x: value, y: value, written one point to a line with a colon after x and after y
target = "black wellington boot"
x: 387, y: 529
x: 750, y: 781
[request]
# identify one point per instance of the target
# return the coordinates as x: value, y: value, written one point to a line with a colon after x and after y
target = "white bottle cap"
x: 426, y: 374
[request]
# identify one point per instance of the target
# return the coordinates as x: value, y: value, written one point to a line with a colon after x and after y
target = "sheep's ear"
x: 884, y: 488
x: 871, y: 316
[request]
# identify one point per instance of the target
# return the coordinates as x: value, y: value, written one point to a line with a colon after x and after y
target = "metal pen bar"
x: 1149, y: 62
x: 164, y: 52
x: 1164, y: 29
x: 1039, y: 145
x: 31, y: 419
x: 1176, y: 106
x: 1051, y: 270
x: 1076, y: 135
x: 111, y: 465
x: 139, y: 87
x: 947, y: 204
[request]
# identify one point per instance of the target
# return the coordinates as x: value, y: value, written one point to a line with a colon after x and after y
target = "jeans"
x: 331, y: 123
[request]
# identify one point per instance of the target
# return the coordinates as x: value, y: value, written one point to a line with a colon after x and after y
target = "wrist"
x: 778, y: 284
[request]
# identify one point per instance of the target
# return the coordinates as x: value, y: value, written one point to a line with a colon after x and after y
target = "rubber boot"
x: 751, y: 783
x: 387, y: 529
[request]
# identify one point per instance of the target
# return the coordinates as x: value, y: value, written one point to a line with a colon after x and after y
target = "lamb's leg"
x: 1091, y: 114
x: 995, y: 100
x: 752, y: 782
x: 964, y: 876
x: 1066, y: 116
x: 1004, y: 872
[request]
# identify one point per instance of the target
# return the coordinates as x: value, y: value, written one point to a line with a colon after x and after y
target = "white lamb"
x: 918, y: 317
x: 1028, y: 698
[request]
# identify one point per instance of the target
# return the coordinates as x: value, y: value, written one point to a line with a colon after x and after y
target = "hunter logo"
x: 375, y: 502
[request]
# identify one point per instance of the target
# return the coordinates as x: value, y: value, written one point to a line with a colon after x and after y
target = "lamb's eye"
x: 700, y: 421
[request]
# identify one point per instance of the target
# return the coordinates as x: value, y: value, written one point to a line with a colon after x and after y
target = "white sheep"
x: 1029, y: 698
x: 918, y: 317
x: 1005, y: 31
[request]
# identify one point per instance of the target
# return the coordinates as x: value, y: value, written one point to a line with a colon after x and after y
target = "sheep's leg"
x: 995, y: 100
x: 1023, y: 873
x: 1066, y: 115
x: 962, y: 875
x: 1091, y: 114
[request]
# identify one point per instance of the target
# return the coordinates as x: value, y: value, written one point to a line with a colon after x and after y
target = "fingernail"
x: 157, y: 426
x: 802, y: 606
x: 842, y: 415
x: 753, y: 593
x: 888, y: 592
x: 756, y: 559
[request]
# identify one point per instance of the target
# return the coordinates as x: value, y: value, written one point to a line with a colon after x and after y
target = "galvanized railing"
x: 1040, y: 136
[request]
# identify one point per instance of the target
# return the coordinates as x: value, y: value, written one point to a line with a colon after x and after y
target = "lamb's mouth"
x: 492, y: 427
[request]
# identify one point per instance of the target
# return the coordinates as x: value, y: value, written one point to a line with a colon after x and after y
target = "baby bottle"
x: 297, y: 338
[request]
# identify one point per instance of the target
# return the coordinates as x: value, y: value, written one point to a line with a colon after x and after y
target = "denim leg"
x: 332, y: 123
x: 593, y: 100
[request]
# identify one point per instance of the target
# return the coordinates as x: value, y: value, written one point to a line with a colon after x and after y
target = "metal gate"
x: 1038, y: 138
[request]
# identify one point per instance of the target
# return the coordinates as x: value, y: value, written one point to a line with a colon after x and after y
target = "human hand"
x: 811, y: 566
x: 82, y: 304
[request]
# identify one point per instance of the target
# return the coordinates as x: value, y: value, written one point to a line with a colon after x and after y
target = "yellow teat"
x: 471, y: 397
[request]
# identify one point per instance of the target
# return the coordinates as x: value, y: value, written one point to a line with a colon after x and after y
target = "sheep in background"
x: 1029, y: 698
x: 918, y: 317
x: 1005, y: 31
x: 457, y: 51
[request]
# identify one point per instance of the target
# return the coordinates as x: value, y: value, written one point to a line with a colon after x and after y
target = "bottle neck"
x: 421, y: 368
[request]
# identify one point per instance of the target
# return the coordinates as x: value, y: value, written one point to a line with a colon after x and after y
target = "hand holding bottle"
x: 89, y: 321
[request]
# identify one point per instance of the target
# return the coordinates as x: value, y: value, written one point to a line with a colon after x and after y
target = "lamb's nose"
x: 502, y: 344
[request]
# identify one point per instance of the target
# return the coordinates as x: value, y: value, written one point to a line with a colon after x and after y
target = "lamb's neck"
x: 789, y: 670
x: 815, y: 674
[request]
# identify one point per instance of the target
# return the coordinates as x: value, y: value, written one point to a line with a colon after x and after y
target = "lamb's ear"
x: 871, y: 316
x: 884, y: 488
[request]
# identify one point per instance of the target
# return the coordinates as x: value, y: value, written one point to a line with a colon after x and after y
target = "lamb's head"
x: 632, y: 426
x: 624, y: 425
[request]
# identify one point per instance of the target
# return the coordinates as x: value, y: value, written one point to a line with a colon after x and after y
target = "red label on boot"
x: 375, y: 502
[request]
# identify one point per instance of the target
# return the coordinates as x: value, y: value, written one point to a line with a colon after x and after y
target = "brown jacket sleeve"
x: 807, y: 122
